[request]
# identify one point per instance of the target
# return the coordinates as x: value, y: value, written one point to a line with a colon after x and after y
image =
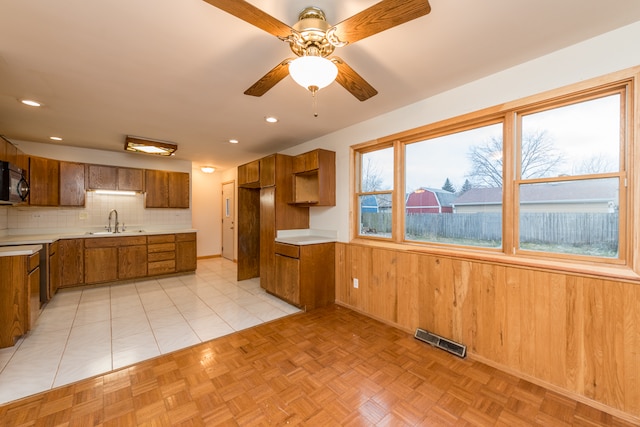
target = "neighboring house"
x: 369, y: 204
x: 596, y: 196
x: 430, y: 200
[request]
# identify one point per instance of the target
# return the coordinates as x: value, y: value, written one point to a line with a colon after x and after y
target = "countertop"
x: 306, y: 236
x: 50, y: 237
x: 19, y: 250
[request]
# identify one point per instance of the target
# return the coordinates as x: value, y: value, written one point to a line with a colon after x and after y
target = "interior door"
x: 228, y: 228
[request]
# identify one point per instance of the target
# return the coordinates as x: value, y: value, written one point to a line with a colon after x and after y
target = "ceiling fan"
x: 313, y: 39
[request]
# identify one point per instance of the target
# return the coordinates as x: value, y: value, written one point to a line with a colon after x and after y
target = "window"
x: 375, y: 200
x: 569, y: 178
x: 547, y: 179
x: 453, y: 185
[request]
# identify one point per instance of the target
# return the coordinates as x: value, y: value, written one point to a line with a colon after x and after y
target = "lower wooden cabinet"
x: 305, y: 274
x: 132, y: 261
x: 54, y: 269
x: 71, y: 260
x: 186, y: 252
x: 33, y: 286
x: 161, y: 254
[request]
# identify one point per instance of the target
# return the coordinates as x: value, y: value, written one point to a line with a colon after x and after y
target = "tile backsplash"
x: 94, y: 215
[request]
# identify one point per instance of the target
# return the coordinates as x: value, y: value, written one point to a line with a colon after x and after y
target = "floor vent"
x: 440, y: 342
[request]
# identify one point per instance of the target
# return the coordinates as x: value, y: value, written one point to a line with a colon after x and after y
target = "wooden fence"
x: 580, y: 229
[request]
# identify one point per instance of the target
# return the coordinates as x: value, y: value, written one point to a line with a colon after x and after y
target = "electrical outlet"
x: 355, y: 283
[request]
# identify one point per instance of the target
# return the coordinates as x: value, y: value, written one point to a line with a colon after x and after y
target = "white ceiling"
x: 176, y: 70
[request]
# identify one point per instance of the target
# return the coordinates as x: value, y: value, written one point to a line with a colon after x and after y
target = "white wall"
x: 207, y: 211
x: 608, y: 53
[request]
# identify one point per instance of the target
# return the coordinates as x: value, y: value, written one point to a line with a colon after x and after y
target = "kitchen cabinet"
x: 166, y: 189
x: 103, y: 177
x: 161, y: 254
x: 249, y: 175
x: 33, y: 286
x: 186, y: 252
x: 314, y: 178
x: 132, y: 258
x: 277, y: 214
x: 108, y: 259
x: 71, y: 259
x: 305, y: 274
x: 54, y: 269
x: 19, y: 296
x: 44, y: 182
x: 72, y: 191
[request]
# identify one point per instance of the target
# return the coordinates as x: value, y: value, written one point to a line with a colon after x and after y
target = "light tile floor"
x: 86, y: 332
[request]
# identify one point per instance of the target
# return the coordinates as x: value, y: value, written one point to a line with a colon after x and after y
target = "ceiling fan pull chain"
x: 314, y: 103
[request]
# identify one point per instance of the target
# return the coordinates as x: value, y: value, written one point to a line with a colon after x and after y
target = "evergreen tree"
x: 466, y: 186
x: 448, y: 186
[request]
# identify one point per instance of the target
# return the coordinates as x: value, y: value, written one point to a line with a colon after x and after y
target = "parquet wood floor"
x: 327, y: 367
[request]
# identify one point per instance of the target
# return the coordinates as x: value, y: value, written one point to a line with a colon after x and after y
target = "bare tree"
x: 539, y: 157
x: 599, y: 163
x: 371, y: 176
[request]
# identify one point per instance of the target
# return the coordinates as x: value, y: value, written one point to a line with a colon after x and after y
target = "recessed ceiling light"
x: 55, y: 138
x: 208, y: 169
x: 31, y: 103
x: 233, y: 141
x: 271, y: 119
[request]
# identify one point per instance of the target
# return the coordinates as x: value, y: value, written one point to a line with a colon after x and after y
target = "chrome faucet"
x: 116, y: 224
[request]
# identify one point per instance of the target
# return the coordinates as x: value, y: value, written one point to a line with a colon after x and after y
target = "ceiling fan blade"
x: 377, y: 18
x: 254, y: 16
x: 270, y: 79
x: 352, y: 81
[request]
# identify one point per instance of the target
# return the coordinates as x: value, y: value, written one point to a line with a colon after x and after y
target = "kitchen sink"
x: 106, y: 233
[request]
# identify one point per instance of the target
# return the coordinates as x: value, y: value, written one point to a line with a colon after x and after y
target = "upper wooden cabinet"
x: 44, y: 181
x: 72, y: 192
x: 102, y: 177
x: 249, y: 175
x: 314, y: 178
x: 166, y: 189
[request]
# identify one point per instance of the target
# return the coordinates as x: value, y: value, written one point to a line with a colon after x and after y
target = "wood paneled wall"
x: 577, y: 334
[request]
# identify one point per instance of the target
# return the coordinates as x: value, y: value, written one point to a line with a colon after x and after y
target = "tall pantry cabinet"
x: 265, y: 192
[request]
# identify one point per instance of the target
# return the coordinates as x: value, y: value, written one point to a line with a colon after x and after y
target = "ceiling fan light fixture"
x: 313, y: 72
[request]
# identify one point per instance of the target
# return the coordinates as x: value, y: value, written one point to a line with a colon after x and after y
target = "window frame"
x: 625, y: 82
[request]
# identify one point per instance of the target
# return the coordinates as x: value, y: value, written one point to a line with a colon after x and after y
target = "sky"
x: 580, y: 131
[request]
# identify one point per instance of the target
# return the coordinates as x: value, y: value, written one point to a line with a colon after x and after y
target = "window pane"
x: 454, y: 188
x: 570, y: 217
x: 577, y: 139
x: 377, y: 171
x: 375, y: 215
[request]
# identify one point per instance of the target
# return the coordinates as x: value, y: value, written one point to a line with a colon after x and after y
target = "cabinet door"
x: 71, y: 253
x: 33, y: 283
x: 288, y: 278
x: 72, y: 184
x: 130, y: 179
x: 44, y: 176
x: 268, y: 171
x: 178, y: 190
x: 100, y: 265
x: 249, y: 175
x: 186, y: 252
x: 267, y: 239
x: 132, y: 261
x: 157, y: 186
x: 102, y: 177
x: 54, y: 271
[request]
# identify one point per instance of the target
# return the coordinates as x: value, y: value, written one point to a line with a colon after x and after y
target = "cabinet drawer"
x: 162, y: 267
x: 33, y: 261
x: 291, y: 251
x: 185, y: 237
x: 161, y: 256
x: 161, y: 238
x: 162, y: 247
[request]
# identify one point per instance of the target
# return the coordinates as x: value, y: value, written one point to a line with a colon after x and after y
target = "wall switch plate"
x: 355, y: 283
x: 83, y: 215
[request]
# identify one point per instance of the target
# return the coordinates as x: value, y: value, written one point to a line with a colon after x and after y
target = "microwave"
x: 13, y: 186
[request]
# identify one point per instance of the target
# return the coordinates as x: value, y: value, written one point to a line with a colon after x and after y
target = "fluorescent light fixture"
x: 208, y: 169
x: 149, y: 146
x: 116, y: 192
